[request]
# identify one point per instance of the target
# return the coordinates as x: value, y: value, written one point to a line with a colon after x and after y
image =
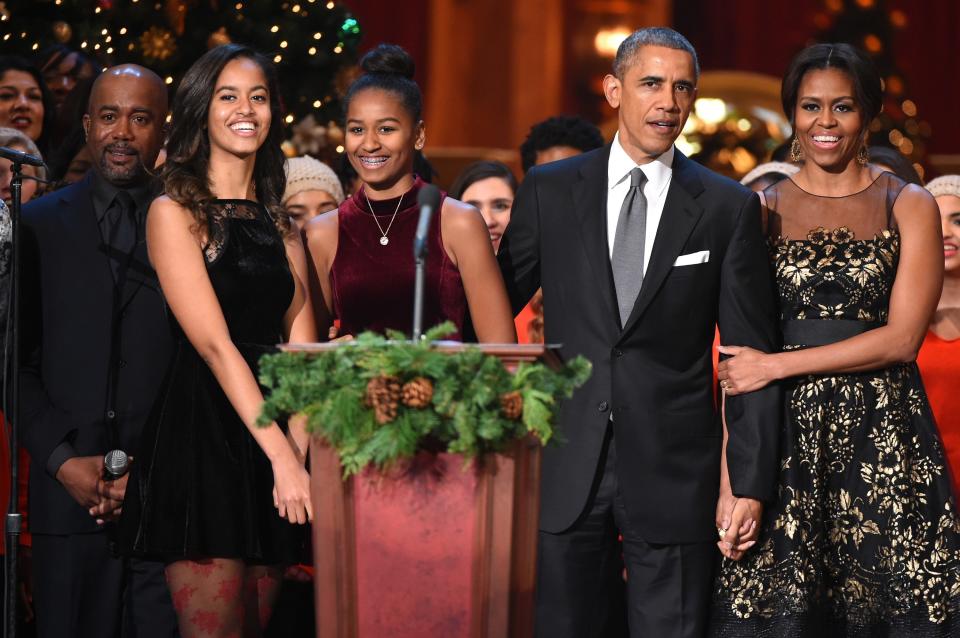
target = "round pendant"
x: 384, y: 241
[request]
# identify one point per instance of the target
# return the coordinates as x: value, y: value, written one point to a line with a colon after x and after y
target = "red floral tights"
x: 222, y: 598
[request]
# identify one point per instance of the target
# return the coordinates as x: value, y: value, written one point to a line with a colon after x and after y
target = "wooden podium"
x: 436, y: 546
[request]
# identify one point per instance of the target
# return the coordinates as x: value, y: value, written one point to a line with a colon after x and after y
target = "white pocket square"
x: 701, y: 257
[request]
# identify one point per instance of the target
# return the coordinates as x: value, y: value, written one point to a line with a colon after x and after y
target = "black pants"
x: 81, y: 590
x: 580, y: 588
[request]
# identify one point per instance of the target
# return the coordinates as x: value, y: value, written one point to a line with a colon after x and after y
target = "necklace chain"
x: 384, y: 240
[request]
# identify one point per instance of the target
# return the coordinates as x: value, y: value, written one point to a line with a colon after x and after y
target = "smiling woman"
x: 362, y: 252
x: 224, y: 515
x: 25, y: 102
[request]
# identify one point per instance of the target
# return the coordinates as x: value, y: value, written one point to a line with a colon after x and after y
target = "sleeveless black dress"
x: 200, y: 486
x: 864, y: 538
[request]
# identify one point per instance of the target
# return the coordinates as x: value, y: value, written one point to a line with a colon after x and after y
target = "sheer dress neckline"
x: 853, y: 194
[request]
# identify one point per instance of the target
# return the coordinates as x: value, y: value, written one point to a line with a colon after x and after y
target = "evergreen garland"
x: 466, y: 413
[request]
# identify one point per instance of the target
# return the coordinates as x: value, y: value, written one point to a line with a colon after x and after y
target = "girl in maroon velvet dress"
x: 363, y: 252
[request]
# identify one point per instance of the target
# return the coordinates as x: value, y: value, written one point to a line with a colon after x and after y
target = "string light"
x: 6, y: 37
x: 277, y: 58
x: 339, y: 148
x: 96, y: 47
x: 274, y: 29
x: 283, y: 45
x: 330, y: 4
x: 296, y: 8
x: 83, y: 45
x: 123, y: 30
x: 312, y: 50
x: 338, y: 49
x: 97, y: 10
x: 169, y: 80
x: 110, y: 50
x: 317, y: 104
x: 317, y: 35
x: 103, y: 32
x: 288, y: 119
x: 35, y: 46
x: 238, y: 6
x: 108, y: 39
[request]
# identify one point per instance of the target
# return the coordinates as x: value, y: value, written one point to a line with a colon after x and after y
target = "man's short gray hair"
x: 652, y: 36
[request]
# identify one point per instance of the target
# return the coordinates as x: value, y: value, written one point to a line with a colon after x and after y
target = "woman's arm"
x: 320, y: 240
x: 913, y: 299
x: 299, y: 327
x: 467, y: 242
x: 176, y: 255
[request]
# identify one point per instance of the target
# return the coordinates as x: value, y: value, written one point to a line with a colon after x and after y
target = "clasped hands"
x: 82, y: 477
x: 738, y: 523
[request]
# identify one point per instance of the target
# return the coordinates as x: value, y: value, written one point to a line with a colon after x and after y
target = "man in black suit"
x: 96, y: 343
x: 641, y: 253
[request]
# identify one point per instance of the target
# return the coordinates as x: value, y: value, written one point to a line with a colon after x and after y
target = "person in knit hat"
x: 312, y: 188
x: 939, y: 358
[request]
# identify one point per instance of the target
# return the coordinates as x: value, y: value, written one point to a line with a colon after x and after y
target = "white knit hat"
x: 309, y: 174
x: 769, y: 167
x: 945, y: 185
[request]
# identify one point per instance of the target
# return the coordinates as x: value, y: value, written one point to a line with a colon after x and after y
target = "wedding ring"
x: 721, y: 532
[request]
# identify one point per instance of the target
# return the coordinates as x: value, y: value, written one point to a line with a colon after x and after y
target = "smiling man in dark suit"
x: 96, y: 344
x: 641, y: 253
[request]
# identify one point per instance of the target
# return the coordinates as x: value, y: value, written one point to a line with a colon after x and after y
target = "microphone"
x: 429, y: 200
x: 115, y: 465
x: 19, y: 157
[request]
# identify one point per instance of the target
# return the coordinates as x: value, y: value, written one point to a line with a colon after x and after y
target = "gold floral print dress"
x: 864, y: 539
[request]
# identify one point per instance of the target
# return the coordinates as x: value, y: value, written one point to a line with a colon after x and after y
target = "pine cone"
x: 383, y: 395
x: 511, y: 405
x: 417, y: 393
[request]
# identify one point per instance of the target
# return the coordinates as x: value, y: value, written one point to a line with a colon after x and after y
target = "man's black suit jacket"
x: 653, y: 376
x: 68, y: 312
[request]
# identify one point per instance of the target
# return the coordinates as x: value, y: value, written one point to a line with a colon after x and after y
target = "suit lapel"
x: 81, y: 225
x: 681, y: 212
x: 590, y: 207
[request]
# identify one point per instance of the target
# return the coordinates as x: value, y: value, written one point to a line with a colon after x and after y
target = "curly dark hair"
x: 562, y: 130
x: 185, y: 173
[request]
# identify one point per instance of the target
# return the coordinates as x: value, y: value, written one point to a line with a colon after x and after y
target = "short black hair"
x: 867, y: 85
x: 477, y: 171
x: 388, y: 67
x: 901, y: 165
x: 561, y: 130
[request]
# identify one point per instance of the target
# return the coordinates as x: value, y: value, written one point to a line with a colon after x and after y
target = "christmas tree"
x: 311, y: 42
x: 870, y: 25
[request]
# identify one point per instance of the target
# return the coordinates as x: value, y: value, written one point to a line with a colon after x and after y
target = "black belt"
x: 820, y: 332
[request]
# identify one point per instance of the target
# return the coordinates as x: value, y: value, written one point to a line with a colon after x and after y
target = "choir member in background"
x: 939, y: 358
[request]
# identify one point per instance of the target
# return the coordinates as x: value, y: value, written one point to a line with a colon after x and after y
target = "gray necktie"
x: 627, y: 260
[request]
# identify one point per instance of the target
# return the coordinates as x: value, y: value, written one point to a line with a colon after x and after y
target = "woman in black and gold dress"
x: 863, y: 539
x: 215, y: 497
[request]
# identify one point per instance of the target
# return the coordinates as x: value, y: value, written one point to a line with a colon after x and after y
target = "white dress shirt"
x: 658, y: 173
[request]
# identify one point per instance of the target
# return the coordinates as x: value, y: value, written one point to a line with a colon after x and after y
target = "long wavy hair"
x: 185, y: 173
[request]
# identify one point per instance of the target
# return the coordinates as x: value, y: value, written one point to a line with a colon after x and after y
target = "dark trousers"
x: 81, y: 590
x: 581, y: 592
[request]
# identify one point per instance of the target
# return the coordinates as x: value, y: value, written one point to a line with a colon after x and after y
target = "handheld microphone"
x: 19, y: 157
x: 115, y: 465
x: 429, y: 200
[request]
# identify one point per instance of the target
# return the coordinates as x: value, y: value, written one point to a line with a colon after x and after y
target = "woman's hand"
x: 291, y: 490
x: 747, y: 370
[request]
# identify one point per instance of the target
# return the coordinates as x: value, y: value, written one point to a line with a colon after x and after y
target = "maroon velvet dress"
x: 373, y: 283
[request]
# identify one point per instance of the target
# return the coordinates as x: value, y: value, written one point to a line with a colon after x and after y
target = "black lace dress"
x: 200, y: 486
x: 864, y: 539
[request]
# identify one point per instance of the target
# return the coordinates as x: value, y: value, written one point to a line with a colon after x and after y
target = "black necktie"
x: 121, y: 231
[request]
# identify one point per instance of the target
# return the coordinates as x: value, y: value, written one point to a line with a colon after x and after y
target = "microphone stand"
x: 420, y: 259
x: 12, y: 417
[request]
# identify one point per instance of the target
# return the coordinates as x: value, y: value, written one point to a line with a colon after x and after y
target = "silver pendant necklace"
x: 384, y: 240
